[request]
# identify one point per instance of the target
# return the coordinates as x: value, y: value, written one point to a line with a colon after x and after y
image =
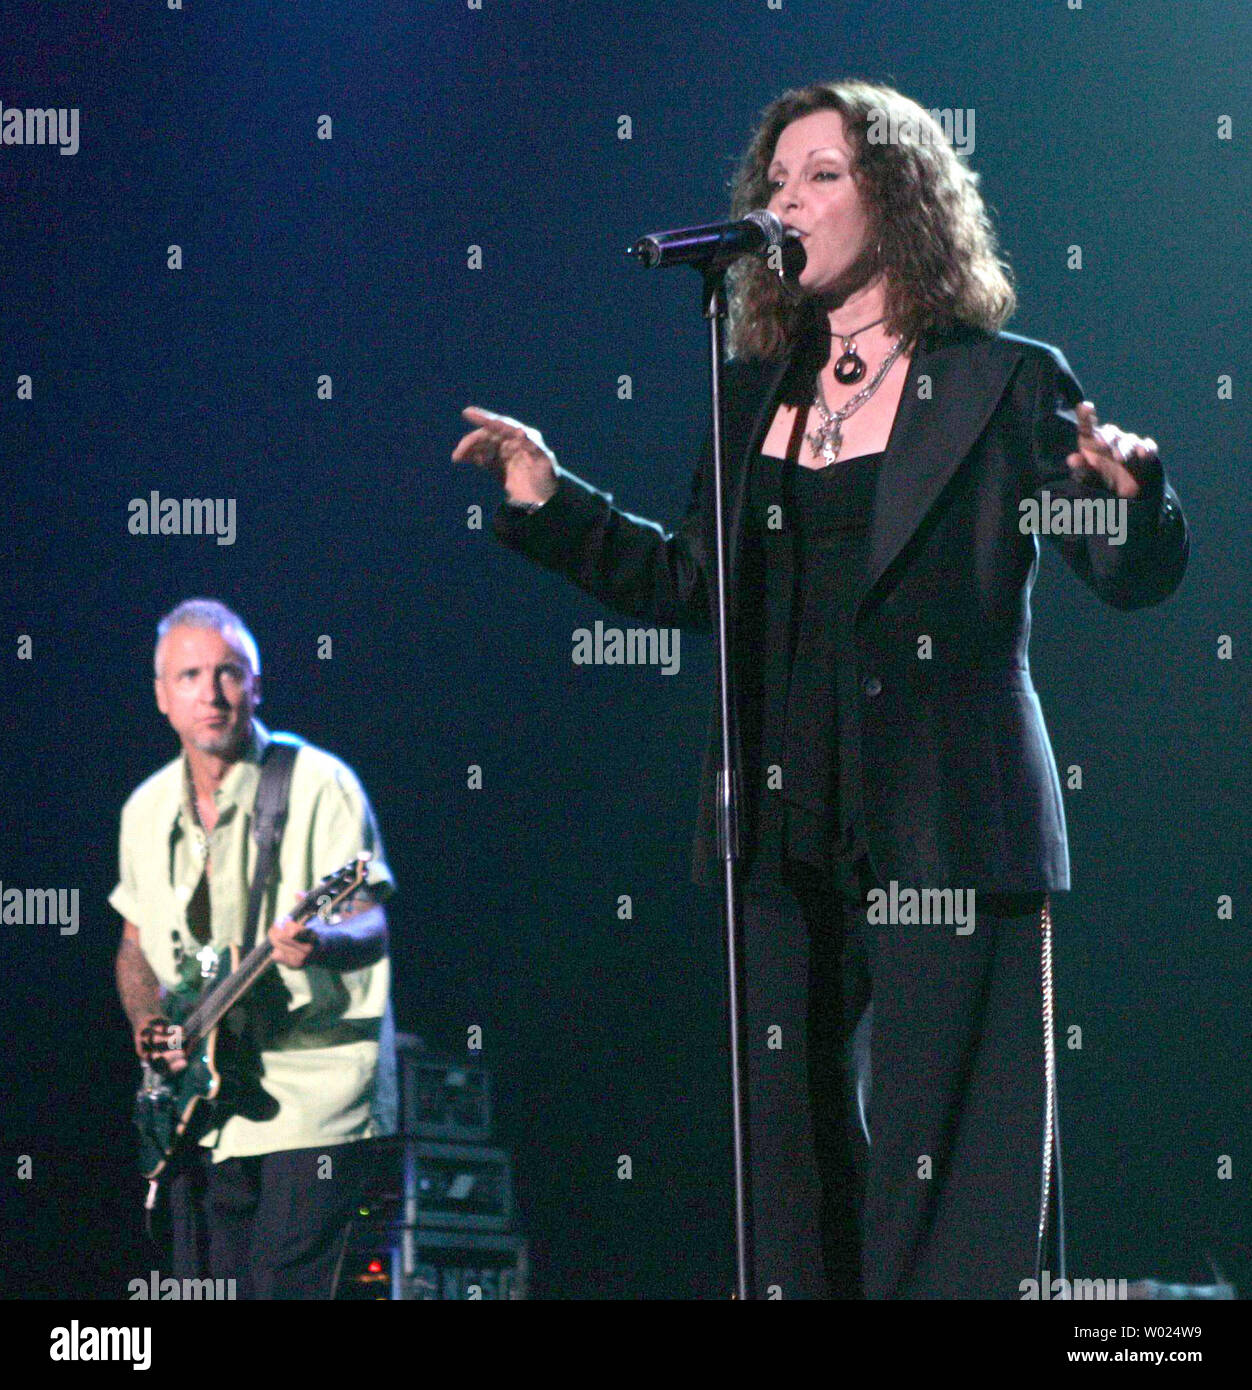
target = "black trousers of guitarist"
x: 273, y: 1222
x: 945, y: 1201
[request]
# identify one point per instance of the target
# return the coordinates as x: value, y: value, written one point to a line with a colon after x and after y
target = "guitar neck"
x: 224, y: 996
x: 333, y: 890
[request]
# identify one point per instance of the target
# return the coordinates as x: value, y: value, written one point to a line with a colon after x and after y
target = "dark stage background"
x: 499, y: 128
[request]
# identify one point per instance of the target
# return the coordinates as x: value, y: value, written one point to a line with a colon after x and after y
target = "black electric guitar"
x: 170, y: 1107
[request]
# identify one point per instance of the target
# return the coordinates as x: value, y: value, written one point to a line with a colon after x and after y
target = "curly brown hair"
x: 939, y: 248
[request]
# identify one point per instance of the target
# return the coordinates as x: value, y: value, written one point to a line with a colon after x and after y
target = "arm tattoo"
x: 137, y: 986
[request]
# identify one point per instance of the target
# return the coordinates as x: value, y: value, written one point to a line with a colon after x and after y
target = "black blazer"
x: 960, y: 787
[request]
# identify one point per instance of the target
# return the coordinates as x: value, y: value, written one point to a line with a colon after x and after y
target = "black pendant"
x: 849, y: 368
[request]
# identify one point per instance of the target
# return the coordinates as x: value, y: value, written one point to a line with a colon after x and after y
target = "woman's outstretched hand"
x: 513, y: 452
x: 1108, y: 450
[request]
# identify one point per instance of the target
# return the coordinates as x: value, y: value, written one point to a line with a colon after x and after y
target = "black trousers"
x: 276, y: 1223
x: 944, y: 1201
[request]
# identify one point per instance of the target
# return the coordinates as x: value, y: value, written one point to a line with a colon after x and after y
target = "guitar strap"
x: 269, y: 817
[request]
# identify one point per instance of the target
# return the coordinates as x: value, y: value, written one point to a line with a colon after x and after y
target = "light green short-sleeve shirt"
x: 329, y: 1067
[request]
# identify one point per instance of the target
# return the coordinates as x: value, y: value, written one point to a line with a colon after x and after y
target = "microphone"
x: 716, y: 244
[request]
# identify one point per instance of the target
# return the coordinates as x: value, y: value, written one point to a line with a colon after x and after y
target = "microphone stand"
x: 717, y: 247
x: 713, y: 297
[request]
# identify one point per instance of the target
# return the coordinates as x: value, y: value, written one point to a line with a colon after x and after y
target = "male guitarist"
x: 265, y: 1196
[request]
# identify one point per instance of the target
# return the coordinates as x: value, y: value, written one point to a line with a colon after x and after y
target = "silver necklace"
x: 201, y: 835
x: 827, y: 439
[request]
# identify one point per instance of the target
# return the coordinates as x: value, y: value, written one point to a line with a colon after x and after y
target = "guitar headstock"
x: 334, y: 889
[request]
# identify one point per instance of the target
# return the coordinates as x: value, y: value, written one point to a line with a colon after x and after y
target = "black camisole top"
x: 811, y: 530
